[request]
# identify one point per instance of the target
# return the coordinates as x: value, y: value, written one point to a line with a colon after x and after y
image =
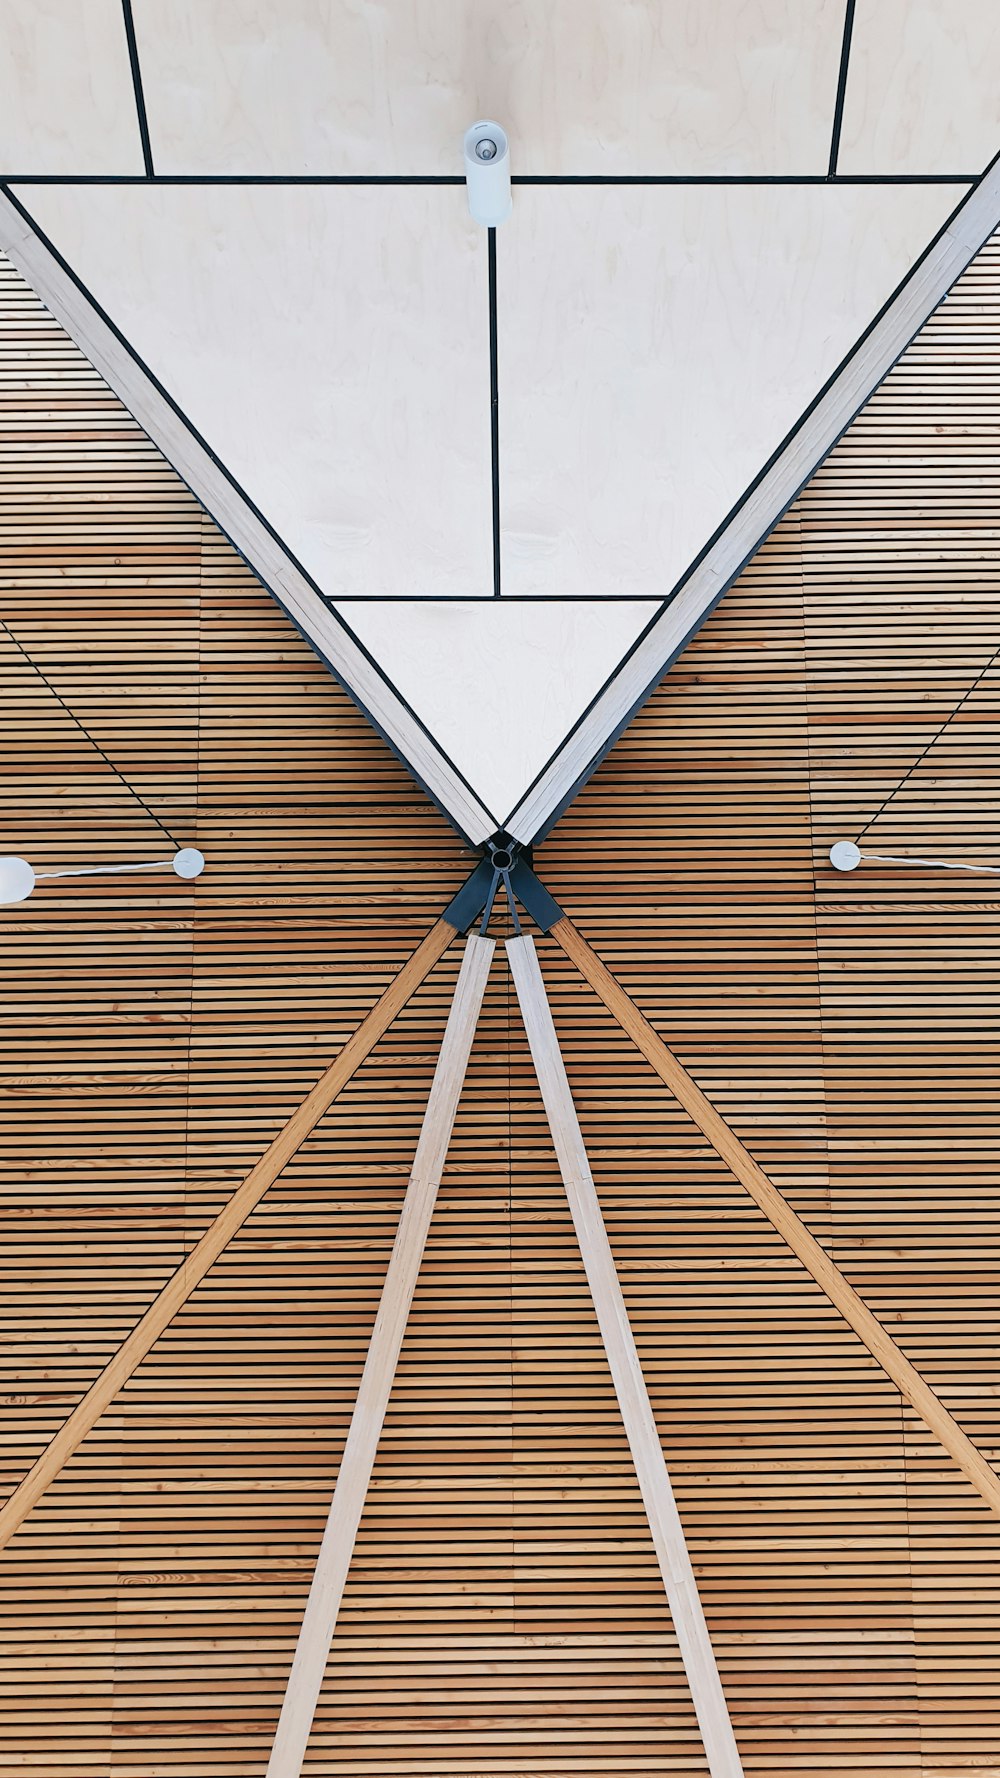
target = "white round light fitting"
x: 17, y: 880
x: 189, y: 862
x: 845, y: 855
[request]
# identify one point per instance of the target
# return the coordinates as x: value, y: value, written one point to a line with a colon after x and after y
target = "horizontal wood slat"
x: 504, y: 1612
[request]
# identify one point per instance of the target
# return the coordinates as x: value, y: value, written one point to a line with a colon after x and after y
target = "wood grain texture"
x: 592, y: 87
x: 196, y: 1265
x: 779, y: 1212
x: 700, y: 1666
x: 68, y: 100
x: 504, y: 1607
x: 908, y: 65
x: 708, y: 320
x: 479, y: 673
x: 326, y: 1590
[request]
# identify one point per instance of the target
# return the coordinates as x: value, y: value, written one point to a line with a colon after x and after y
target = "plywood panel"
x: 656, y: 345
x: 500, y: 683
x: 922, y: 88
x: 68, y: 102
x: 331, y: 346
x: 588, y: 88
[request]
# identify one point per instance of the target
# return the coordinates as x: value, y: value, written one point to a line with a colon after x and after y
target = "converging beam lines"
x: 334, y: 1559
x: 782, y: 1217
x: 626, y: 1370
x: 221, y: 1231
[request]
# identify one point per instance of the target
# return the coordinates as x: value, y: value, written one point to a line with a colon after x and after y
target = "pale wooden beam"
x: 219, y: 1233
x: 626, y: 1371
x: 334, y: 1559
x: 780, y: 1214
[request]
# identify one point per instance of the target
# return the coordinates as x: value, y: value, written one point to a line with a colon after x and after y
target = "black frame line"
x: 494, y: 408
x: 140, y: 102
x: 606, y: 746
x: 54, y: 692
x: 276, y: 538
x: 838, y: 109
x: 611, y: 179
x: 926, y: 749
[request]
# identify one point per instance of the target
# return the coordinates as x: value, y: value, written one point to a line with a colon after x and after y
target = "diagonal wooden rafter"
x: 780, y: 1214
x: 353, y: 1478
x: 233, y: 1215
x: 665, y: 1524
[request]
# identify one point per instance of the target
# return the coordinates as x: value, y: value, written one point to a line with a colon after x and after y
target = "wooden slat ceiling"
x: 504, y: 1614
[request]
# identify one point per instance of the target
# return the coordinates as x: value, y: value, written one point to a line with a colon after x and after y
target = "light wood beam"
x: 626, y: 1371
x: 780, y: 1214
x: 219, y: 1233
x: 334, y: 1559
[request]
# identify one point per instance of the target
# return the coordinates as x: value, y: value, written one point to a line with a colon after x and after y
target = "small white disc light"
x: 845, y: 855
x: 17, y: 880
x: 189, y: 862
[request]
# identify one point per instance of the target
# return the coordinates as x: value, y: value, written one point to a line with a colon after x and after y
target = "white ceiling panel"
x: 331, y: 345
x: 923, y: 88
x: 499, y: 684
x: 582, y: 86
x: 66, y: 97
x: 656, y: 344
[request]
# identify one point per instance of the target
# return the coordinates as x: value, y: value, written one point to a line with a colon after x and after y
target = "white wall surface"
x: 332, y: 346
x: 499, y: 684
x: 656, y: 345
x: 66, y: 98
x: 658, y: 86
x: 924, y: 87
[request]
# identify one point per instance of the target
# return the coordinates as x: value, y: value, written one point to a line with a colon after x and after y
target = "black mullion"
x: 838, y: 110
x: 140, y: 103
x: 494, y: 407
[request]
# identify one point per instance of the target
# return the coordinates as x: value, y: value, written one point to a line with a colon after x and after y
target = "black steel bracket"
x: 508, y: 865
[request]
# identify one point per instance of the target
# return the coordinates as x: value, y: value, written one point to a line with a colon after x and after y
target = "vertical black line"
x: 140, y: 103
x: 838, y: 110
x: 494, y: 409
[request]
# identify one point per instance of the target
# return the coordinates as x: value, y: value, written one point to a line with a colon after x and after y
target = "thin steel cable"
x: 907, y: 775
x: 61, y: 701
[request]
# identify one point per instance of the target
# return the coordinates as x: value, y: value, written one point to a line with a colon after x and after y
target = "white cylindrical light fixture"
x: 487, y: 173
